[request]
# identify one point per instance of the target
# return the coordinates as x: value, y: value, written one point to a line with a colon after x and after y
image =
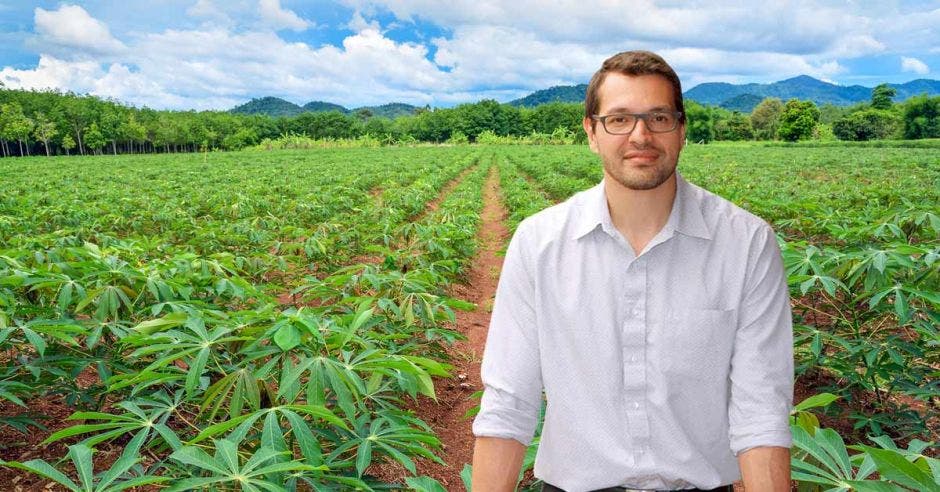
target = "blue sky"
x: 215, y: 54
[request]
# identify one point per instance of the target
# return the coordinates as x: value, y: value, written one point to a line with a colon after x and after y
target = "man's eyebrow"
x: 620, y: 109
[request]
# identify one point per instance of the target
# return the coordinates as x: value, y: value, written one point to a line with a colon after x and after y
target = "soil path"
x: 446, y: 416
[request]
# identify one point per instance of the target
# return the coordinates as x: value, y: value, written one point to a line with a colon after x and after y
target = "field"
x: 252, y: 320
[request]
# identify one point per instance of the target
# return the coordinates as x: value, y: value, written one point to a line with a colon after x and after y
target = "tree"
x: 882, y: 95
x: 698, y: 123
x: 15, y: 125
x: 94, y: 139
x: 735, y: 127
x: 797, y: 120
x: 765, y: 118
x: 922, y: 117
x: 867, y: 125
x: 67, y: 143
x: 45, y: 130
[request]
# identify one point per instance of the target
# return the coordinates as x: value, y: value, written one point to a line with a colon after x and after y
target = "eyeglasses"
x: 624, y: 123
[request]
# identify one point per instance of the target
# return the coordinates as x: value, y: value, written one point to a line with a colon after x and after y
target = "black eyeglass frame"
x: 639, y: 116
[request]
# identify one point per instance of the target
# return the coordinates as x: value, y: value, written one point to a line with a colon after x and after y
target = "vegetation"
x: 261, y: 318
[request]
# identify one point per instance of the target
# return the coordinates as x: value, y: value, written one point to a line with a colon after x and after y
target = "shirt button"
x: 636, y: 405
x: 632, y: 358
x: 636, y: 312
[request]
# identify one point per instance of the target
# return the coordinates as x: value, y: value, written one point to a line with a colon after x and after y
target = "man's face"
x: 640, y: 160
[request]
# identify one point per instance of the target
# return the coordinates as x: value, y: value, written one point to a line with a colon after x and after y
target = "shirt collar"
x: 686, y: 215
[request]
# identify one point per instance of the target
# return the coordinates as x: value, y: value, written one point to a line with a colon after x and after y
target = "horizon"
x: 359, y: 53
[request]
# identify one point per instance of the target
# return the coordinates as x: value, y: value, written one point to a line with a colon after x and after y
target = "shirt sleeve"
x: 510, y: 371
x: 762, y: 361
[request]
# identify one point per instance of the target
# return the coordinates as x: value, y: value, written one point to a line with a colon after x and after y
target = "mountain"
x: 743, y: 97
x: 321, y: 106
x: 742, y: 103
x: 801, y: 87
x: 271, y: 106
x: 558, y: 93
x: 275, y: 106
x: 390, y: 110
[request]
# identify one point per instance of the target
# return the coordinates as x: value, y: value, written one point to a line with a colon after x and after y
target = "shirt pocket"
x: 699, y: 342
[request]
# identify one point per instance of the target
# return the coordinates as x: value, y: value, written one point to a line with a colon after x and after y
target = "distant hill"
x: 271, y: 106
x: 743, y: 103
x: 275, y: 106
x: 735, y: 97
x: 743, y: 97
x: 559, y: 93
x: 321, y: 106
x: 390, y: 110
x: 802, y: 87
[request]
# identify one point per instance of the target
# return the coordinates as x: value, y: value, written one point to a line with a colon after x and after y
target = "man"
x: 653, y: 313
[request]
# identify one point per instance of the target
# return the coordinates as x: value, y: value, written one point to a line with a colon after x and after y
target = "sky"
x: 216, y: 54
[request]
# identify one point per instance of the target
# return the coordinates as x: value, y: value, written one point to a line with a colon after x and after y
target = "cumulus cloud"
x: 53, y: 73
x: 480, y: 48
x: 280, y: 18
x: 71, y: 28
x: 909, y: 64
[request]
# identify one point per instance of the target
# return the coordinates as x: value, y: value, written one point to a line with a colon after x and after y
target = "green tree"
x: 882, y: 95
x: 734, y: 127
x: 797, y: 120
x: 94, y: 139
x: 922, y: 117
x: 67, y: 143
x: 867, y: 125
x: 45, y: 130
x: 15, y: 125
x: 698, y: 123
x: 765, y: 118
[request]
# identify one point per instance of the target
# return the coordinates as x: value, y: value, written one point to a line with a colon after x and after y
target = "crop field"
x: 279, y: 320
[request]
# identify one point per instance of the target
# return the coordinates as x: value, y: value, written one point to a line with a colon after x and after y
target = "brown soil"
x: 446, y: 415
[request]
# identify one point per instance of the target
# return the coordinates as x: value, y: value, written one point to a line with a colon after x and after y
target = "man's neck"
x: 639, y: 214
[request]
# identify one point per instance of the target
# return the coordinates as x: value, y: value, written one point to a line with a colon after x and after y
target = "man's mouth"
x: 641, y: 156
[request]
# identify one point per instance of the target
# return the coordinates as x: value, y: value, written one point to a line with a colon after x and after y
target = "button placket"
x: 634, y: 356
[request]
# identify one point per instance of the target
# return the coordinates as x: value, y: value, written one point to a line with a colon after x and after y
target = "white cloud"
x: 53, y: 73
x: 207, y: 9
x: 72, y: 28
x: 909, y: 64
x: 280, y: 18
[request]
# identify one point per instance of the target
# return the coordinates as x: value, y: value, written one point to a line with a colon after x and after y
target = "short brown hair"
x: 633, y: 63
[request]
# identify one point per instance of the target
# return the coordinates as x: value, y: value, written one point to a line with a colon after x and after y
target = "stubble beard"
x: 645, y: 178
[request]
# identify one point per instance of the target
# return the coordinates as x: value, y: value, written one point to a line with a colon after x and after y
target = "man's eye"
x: 660, y: 117
x: 618, y: 119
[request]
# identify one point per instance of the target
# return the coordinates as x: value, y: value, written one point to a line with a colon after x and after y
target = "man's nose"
x: 641, y: 133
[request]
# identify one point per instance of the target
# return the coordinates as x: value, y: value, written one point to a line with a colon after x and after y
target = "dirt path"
x: 446, y: 416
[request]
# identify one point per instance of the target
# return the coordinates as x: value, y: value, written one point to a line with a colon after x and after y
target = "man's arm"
x: 511, y: 375
x: 762, y: 371
x: 765, y: 469
x: 496, y: 464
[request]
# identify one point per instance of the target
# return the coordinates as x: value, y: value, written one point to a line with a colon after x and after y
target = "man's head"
x: 628, y: 84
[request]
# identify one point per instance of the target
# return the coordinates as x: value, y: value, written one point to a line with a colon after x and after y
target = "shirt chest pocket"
x: 698, y: 343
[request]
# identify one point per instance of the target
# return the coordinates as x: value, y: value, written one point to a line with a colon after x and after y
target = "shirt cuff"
x: 766, y: 432
x: 505, y: 416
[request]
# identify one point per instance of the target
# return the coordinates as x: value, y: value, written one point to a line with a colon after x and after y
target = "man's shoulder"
x: 723, y: 215
x: 556, y: 221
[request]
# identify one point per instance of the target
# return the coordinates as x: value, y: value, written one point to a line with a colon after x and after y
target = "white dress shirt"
x: 658, y: 368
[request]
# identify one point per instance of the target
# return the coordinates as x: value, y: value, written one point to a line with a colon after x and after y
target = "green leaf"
x: 363, y: 456
x: 820, y: 400
x: 196, y: 370
x: 287, y: 337
x: 893, y: 466
x: 424, y: 484
x: 466, y: 475
x: 152, y: 326
x: 43, y: 469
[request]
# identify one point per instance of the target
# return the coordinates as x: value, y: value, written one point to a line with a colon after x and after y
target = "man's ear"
x: 588, y: 125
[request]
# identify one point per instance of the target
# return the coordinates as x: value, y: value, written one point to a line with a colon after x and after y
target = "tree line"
x: 774, y: 119
x: 55, y: 123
